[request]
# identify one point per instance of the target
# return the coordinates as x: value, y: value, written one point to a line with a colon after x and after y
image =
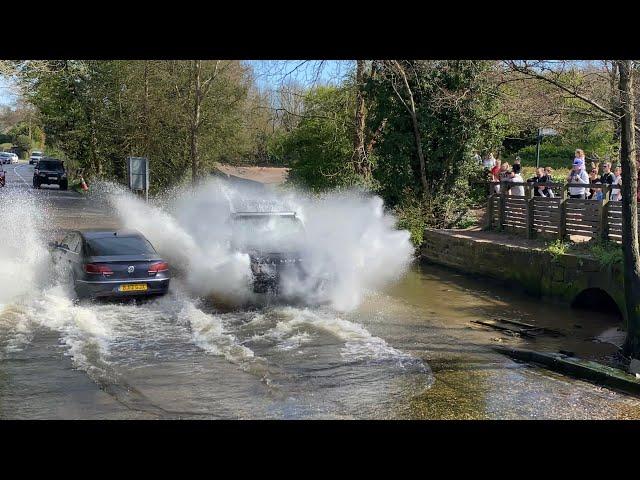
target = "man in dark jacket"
x: 607, y: 177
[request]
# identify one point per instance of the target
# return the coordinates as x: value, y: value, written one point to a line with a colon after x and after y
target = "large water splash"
x: 23, y: 255
x: 349, y: 240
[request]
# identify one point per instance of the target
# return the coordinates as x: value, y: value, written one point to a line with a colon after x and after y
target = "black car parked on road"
x: 108, y: 263
x: 50, y: 171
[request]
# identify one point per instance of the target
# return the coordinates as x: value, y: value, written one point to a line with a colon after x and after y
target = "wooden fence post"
x: 501, y: 212
x: 562, y: 228
x: 604, y: 213
x: 529, y: 190
x: 490, y: 212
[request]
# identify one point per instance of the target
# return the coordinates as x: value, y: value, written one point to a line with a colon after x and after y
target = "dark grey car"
x: 108, y: 263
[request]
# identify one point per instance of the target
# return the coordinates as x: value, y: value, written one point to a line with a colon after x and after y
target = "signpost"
x: 543, y: 132
x: 138, y: 175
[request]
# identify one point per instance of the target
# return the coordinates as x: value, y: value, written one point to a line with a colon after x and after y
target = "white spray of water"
x: 350, y: 240
x: 23, y: 255
x: 359, y: 344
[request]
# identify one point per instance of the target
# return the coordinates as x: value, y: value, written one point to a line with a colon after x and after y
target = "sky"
x: 7, y: 97
x: 269, y: 74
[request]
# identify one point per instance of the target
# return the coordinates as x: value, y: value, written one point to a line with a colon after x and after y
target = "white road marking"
x: 16, y: 172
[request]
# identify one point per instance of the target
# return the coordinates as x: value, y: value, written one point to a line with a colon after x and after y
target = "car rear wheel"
x: 64, y: 185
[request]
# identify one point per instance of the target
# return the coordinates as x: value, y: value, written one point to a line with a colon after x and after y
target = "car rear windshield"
x: 49, y: 165
x: 267, y: 232
x: 119, y: 246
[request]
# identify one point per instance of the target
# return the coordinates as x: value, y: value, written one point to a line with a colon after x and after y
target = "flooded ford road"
x: 407, y: 353
x: 403, y: 350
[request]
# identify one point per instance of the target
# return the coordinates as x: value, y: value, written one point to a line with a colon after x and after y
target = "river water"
x: 408, y: 352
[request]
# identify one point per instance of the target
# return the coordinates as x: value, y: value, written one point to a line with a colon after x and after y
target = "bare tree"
x: 398, y: 78
x: 628, y: 161
x: 625, y: 116
x: 360, y: 159
x: 200, y: 89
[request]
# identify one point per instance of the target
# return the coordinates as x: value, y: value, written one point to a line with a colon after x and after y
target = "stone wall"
x: 558, y: 278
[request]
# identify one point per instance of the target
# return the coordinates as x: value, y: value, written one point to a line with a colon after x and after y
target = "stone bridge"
x: 569, y: 279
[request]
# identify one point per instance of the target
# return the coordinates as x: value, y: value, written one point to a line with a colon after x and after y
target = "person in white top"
x: 578, y: 175
x: 489, y: 162
x: 617, y: 193
x: 517, y: 190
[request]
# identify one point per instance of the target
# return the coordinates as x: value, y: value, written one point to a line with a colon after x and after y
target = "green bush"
x: 23, y: 145
x: 557, y: 248
x: 411, y: 217
x: 554, y: 156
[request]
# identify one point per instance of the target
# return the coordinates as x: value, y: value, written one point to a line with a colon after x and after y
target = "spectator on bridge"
x: 539, y: 177
x: 617, y: 193
x: 548, y: 178
x: 489, y: 162
x: 597, y: 192
x: 577, y: 175
x: 495, y: 174
x: 593, y: 178
x: 503, y: 175
x: 516, y: 190
x: 517, y: 168
x: 607, y: 176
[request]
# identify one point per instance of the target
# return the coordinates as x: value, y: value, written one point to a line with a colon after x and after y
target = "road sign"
x: 543, y: 132
x: 547, y: 132
x: 138, y: 174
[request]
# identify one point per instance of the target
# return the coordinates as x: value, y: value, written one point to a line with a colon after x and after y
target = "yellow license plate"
x: 133, y: 287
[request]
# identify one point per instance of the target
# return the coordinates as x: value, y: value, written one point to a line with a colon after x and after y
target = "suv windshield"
x: 119, y: 246
x: 50, y: 165
x: 269, y: 232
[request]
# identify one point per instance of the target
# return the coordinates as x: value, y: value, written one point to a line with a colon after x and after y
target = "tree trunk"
x: 629, y: 209
x: 418, y: 137
x: 195, y: 124
x: 360, y: 161
x: 145, y: 111
x: 411, y: 108
x: 615, y: 100
x: 93, y: 147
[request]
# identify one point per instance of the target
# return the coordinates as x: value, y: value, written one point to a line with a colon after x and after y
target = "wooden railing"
x: 557, y: 217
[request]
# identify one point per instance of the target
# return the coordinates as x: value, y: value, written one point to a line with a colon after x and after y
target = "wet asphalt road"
x: 409, y: 352
x: 65, y: 209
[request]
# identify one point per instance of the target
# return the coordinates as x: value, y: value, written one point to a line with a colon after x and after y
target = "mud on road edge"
x: 593, y: 372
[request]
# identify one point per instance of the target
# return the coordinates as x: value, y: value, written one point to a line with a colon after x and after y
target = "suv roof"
x: 101, y: 233
x: 263, y: 214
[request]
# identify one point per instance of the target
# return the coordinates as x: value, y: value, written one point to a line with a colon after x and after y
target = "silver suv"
x: 36, y: 156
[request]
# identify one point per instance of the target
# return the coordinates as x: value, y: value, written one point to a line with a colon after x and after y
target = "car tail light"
x: 97, y: 269
x: 158, y: 267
